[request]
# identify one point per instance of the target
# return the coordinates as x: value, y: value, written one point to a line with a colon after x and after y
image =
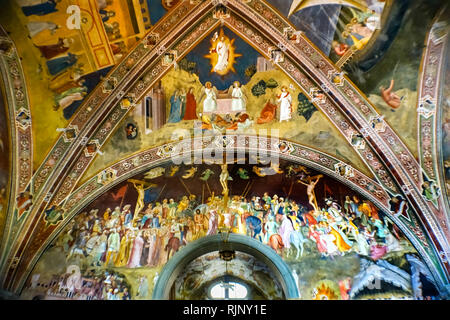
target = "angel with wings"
x: 239, y: 97
x: 210, y: 102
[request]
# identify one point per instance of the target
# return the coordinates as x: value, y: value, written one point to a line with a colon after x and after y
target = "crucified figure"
x: 310, y: 190
x: 390, y: 97
x: 140, y: 188
x: 224, y: 177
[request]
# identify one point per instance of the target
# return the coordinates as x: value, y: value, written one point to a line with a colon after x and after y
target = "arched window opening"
x: 228, y: 289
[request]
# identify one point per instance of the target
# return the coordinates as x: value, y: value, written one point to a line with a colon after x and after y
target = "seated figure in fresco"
x: 199, y: 224
x: 36, y: 27
x: 40, y: 8
x: 222, y: 51
x: 213, y: 223
x: 268, y: 113
x: 359, y: 34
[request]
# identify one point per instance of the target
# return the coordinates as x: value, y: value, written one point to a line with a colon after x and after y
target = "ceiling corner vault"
x: 395, y: 169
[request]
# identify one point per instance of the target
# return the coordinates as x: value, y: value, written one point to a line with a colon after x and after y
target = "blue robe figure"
x: 175, y: 108
x: 355, y: 209
x: 128, y: 218
x: 156, y: 222
x: 281, y: 210
x: 40, y: 9
x: 58, y: 65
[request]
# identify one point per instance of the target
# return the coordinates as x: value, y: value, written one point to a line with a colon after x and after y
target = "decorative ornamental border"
x: 428, y: 100
x: 21, y: 142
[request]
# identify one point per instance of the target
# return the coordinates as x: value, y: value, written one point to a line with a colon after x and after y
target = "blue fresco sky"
x: 156, y: 9
x: 249, y: 57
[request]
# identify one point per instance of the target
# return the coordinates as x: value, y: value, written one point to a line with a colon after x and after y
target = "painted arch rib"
x: 428, y: 99
x: 72, y: 161
x: 21, y: 142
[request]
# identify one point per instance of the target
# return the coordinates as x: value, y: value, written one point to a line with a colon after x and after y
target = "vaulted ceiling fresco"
x: 102, y: 99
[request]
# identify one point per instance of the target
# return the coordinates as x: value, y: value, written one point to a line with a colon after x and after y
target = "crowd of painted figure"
x: 120, y: 238
x: 89, y: 286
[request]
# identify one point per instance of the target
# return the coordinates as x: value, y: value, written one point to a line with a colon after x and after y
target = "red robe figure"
x: 191, y: 106
x: 268, y: 113
x: 53, y: 50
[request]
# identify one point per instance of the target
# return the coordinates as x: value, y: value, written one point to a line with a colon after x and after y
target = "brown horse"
x: 172, y: 244
x: 276, y: 243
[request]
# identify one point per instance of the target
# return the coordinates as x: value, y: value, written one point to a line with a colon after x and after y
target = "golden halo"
x: 232, y: 55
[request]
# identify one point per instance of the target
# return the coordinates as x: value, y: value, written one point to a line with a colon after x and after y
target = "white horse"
x: 297, y: 239
x: 285, y: 231
x: 291, y: 236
